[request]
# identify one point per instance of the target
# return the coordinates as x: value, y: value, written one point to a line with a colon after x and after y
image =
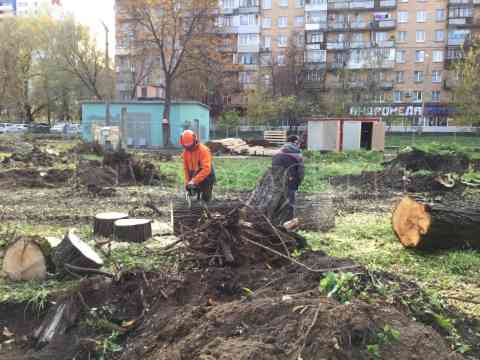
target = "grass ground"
x: 403, y: 140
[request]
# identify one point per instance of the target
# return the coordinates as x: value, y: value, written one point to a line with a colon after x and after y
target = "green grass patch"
x: 369, y: 240
x: 404, y: 140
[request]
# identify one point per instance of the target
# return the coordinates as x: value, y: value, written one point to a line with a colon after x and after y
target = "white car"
x: 58, y: 128
x: 3, y: 128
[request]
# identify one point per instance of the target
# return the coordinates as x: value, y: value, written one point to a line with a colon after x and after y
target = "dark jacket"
x: 290, y: 158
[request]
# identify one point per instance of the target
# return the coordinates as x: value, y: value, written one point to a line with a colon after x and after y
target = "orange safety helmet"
x: 188, y: 139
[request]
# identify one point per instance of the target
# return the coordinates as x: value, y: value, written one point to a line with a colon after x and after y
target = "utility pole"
x: 107, y: 68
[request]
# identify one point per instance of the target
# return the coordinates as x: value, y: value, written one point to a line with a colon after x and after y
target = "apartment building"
x: 397, y: 54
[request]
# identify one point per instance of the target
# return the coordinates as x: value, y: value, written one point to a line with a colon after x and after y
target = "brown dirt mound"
x: 34, y: 158
x: 32, y: 178
x: 259, y: 142
x: 417, y: 159
x: 85, y: 147
x: 253, y: 312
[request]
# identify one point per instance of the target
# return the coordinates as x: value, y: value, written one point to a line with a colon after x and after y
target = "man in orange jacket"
x: 198, y: 167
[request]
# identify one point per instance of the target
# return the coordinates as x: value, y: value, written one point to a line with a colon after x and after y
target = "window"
x: 299, y: 20
x: 314, y: 37
x: 421, y: 16
x: 299, y: 4
x: 436, y: 76
x: 282, y: 41
x: 404, y: 1
x: 418, y: 76
x: 437, y: 56
x: 436, y: 96
x: 460, y: 12
x: 381, y: 36
x: 283, y: 3
x: 313, y: 75
x: 399, y: 77
x: 228, y: 4
x: 420, y: 36
x: 402, y: 36
x: 439, y: 35
x: 267, y: 42
x: 266, y: 59
x: 401, y: 54
x: 419, y: 56
x: 267, y: 22
x: 281, y: 59
x: 247, y: 59
x: 248, y: 39
x: 247, y: 3
x: 397, y: 96
x: 316, y: 56
x: 440, y: 15
x: 282, y: 21
x: 267, y: 4
x: 417, y: 96
x: 403, y: 16
x: 250, y: 19
x: 245, y: 77
x: 300, y: 39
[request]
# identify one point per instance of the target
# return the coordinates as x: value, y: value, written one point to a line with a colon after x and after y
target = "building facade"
x: 394, y: 57
x: 7, y: 7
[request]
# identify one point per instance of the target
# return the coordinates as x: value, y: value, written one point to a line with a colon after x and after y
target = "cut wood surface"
x: 25, y: 260
x: 419, y: 223
x: 133, y: 230
x: 73, y: 251
x: 103, y: 223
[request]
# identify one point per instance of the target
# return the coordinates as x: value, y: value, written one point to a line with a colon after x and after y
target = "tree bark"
x: 103, y: 223
x: 73, y: 251
x: 421, y: 224
x: 133, y: 230
x: 166, y: 111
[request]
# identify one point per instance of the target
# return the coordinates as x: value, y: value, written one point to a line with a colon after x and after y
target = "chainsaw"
x: 191, y: 192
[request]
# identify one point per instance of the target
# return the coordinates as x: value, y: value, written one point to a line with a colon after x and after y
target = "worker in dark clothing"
x: 290, y: 158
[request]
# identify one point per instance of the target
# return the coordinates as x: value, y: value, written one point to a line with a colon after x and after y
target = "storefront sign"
x: 387, y: 110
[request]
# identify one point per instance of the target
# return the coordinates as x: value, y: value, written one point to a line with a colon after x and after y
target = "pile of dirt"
x: 252, y: 312
x: 32, y: 178
x: 85, y: 147
x: 31, y: 156
x: 416, y: 160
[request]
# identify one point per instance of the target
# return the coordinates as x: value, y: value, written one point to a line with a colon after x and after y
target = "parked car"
x: 3, y: 128
x: 73, y: 129
x: 58, y: 128
x: 17, y: 128
x: 40, y: 128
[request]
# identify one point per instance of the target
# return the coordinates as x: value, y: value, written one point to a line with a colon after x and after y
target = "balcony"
x: 318, y: 85
x: 338, y: 26
x: 249, y: 10
x: 385, y: 44
x: 314, y: 26
x: 455, y: 42
x: 384, y: 24
x: 351, y: 5
x: 360, y: 25
x: 385, y: 4
x: 265, y: 49
x: 250, y: 48
x: 386, y: 84
x: 248, y: 29
x: 227, y: 11
x: 459, y: 2
x: 462, y: 21
x: 337, y: 45
x: 360, y: 44
x: 227, y: 29
x: 121, y: 51
x: 357, y: 84
x: 450, y: 83
x: 316, y: 7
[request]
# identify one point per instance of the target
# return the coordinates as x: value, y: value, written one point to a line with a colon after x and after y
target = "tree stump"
x: 103, y: 223
x: 27, y: 259
x: 133, y: 230
x: 315, y: 213
x: 73, y: 251
x: 437, y: 225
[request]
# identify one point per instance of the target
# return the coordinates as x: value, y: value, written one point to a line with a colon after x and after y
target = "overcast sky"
x: 92, y: 13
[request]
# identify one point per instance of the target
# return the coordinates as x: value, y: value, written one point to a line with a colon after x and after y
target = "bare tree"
x: 183, y: 33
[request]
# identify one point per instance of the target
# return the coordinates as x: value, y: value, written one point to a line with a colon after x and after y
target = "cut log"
x: 315, y: 212
x: 133, y: 230
x: 103, y: 223
x: 73, y: 251
x: 27, y: 259
x: 437, y: 225
x: 58, y: 320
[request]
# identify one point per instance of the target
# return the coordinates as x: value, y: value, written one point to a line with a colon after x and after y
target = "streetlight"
x: 107, y: 68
